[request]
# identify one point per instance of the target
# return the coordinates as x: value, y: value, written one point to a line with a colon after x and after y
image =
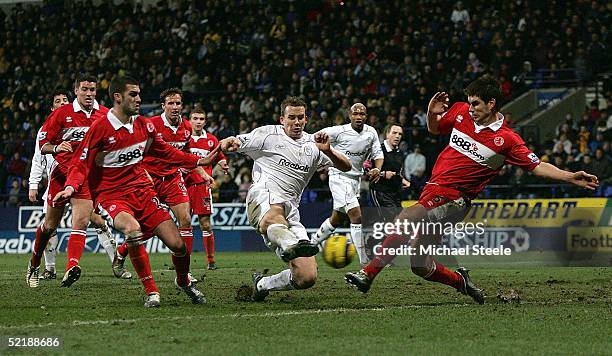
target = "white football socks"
x: 107, y: 240
x: 50, y: 252
x: 281, y: 236
x: 359, y: 242
x: 324, y: 231
x: 279, y: 281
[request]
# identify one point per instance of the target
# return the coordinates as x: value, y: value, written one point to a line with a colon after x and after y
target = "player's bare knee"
x: 304, y: 279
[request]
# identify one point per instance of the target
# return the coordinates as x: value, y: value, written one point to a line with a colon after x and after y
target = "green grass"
x: 562, y: 310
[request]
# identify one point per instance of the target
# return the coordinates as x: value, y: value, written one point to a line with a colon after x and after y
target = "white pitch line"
x: 233, y: 316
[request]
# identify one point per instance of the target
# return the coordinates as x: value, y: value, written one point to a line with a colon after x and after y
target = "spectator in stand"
x: 562, y: 145
x: 17, y: 165
x: 14, y: 193
x: 460, y: 16
x: 414, y: 163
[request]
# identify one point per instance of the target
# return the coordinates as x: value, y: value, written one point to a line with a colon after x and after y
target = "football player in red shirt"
x: 201, y: 144
x: 167, y: 180
x: 60, y: 136
x: 480, y: 144
x: 110, y: 165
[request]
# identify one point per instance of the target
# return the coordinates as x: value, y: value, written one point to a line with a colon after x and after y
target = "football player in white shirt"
x: 285, y: 158
x: 358, y: 142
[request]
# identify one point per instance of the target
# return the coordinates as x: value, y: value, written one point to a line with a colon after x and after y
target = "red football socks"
x: 187, y: 236
x: 123, y: 250
x: 140, y: 261
x: 76, y: 244
x: 181, y: 267
x: 444, y: 275
x: 42, y: 238
x: 209, y: 245
x: 380, y: 261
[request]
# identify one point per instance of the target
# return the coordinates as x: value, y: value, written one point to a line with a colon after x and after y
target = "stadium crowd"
x: 239, y: 60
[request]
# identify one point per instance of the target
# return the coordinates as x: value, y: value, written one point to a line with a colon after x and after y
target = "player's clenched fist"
x: 322, y: 141
x: 230, y: 144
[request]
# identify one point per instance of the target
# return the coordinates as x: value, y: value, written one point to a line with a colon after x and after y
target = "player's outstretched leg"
x: 81, y: 214
x: 301, y: 274
x: 363, y: 279
x: 169, y: 234
x: 427, y: 268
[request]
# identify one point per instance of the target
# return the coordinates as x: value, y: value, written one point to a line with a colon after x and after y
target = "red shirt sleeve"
x: 50, y: 131
x: 220, y: 156
x: 448, y: 119
x: 521, y: 156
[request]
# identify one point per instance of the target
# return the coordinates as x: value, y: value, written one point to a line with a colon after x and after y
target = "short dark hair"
x: 486, y: 88
x: 389, y: 126
x: 84, y: 77
x: 197, y: 110
x: 59, y: 91
x: 119, y: 84
x: 292, y: 101
x: 168, y: 92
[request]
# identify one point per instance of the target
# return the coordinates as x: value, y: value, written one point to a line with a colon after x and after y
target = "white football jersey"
x: 282, y: 165
x: 357, y: 146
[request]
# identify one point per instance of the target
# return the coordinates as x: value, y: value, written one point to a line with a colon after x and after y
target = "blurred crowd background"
x: 240, y: 59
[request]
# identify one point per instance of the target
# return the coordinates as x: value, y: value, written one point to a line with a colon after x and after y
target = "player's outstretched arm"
x: 339, y: 160
x: 580, y: 178
x: 437, y: 106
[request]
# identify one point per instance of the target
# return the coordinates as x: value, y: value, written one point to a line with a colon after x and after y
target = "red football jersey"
x: 68, y: 123
x: 202, y: 146
x: 176, y: 136
x: 475, y: 154
x: 110, y: 158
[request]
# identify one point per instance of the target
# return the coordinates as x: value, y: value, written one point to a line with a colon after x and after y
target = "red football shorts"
x: 171, y: 189
x: 444, y: 203
x: 143, y: 205
x: 57, y: 183
x: 200, y: 199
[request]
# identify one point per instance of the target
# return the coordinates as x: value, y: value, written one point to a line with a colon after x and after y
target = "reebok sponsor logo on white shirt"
x: 475, y: 150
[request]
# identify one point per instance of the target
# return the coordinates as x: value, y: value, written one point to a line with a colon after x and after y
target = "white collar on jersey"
x: 168, y: 124
x: 495, y: 125
x: 204, y: 136
x: 77, y: 107
x: 388, y: 146
x: 117, y: 124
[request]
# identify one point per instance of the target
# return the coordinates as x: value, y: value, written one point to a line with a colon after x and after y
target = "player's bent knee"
x: 304, y: 281
x: 178, y: 248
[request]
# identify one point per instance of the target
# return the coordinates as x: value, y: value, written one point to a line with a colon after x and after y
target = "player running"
x: 40, y: 165
x: 480, y: 144
x: 168, y: 182
x: 60, y: 136
x: 111, y: 166
x: 358, y: 142
x: 200, y: 196
x: 285, y: 158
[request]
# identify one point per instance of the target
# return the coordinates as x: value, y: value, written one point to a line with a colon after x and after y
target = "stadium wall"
x: 571, y: 225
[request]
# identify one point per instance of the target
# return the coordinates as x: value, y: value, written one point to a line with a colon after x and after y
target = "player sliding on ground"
x: 110, y: 164
x: 285, y: 158
x: 480, y: 144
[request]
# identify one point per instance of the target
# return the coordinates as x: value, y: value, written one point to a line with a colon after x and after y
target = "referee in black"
x: 386, y: 189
